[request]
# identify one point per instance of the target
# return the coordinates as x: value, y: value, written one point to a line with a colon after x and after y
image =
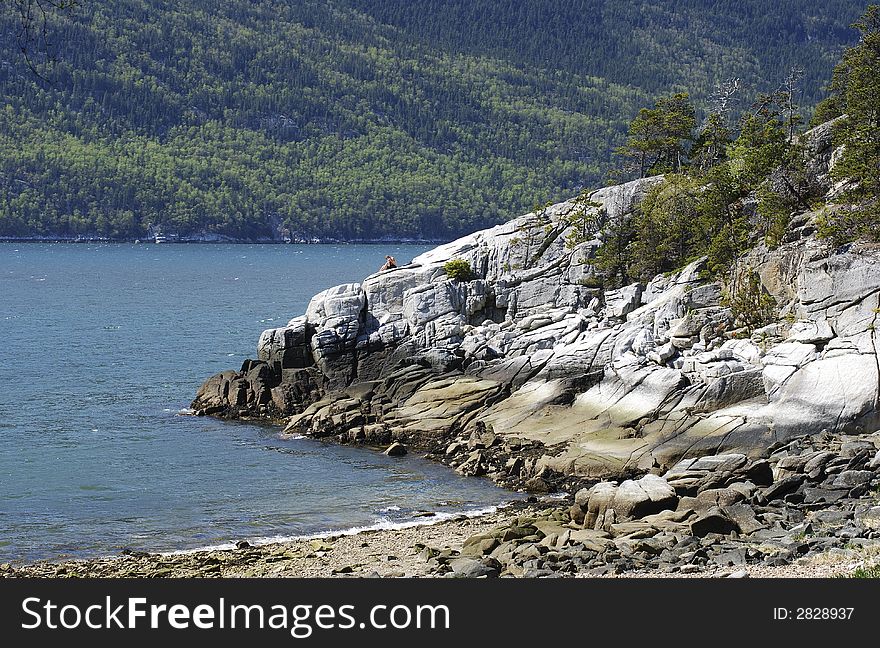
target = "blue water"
x: 102, y: 346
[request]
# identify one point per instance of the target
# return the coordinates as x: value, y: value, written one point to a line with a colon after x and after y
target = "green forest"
x: 356, y: 119
x: 740, y: 179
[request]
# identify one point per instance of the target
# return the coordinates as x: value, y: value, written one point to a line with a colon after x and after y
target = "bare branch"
x: 723, y: 95
x: 33, y: 35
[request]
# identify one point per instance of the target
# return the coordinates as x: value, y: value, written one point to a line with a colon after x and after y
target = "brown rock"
x: 396, y: 449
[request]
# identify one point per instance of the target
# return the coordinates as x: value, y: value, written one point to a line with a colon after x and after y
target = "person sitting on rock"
x: 389, y: 263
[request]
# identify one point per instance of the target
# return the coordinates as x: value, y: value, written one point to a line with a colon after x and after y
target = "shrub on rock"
x: 458, y: 269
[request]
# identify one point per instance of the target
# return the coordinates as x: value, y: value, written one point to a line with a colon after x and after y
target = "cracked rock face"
x: 602, y: 383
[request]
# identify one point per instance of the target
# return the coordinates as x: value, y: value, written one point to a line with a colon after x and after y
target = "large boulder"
x: 838, y: 392
x: 622, y: 302
x: 607, y: 503
x: 287, y: 347
x: 247, y: 392
x: 830, y: 284
x: 336, y: 315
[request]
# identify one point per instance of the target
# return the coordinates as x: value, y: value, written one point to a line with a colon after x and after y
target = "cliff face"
x: 528, y: 372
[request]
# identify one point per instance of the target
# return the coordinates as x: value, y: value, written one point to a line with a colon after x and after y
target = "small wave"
x: 382, y: 524
x: 186, y: 411
x: 225, y: 546
x: 389, y: 509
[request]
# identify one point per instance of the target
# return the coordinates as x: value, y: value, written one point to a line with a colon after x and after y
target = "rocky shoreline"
x: 814, y: 497
x: 532, y: 372
x: 686, y: 440
x: 811, y: 509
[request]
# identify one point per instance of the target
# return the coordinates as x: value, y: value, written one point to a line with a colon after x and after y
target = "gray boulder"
x: 713, y: 521
x: 632, y: 499
x: 396, y: 450
x: 471, y: 568
x: 622, y: 302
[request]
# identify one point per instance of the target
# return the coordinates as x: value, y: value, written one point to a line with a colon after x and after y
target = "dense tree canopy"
x: 856, y: 93
x: 354, y: 119
x: 735, y: 191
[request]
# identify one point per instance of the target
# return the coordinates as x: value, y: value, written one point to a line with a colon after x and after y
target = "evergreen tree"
x: 659, y: 137
x: 762, y: 143
x: 614, y: 256
x: 749, y: 302
x: 711, y: 144
x: 665, y: 236
x: 857, y: 80
x: 583, y: 220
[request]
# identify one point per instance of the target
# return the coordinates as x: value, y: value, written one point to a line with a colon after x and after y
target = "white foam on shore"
x: 383, y: 524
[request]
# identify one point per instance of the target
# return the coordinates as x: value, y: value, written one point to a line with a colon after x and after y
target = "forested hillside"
x: 356, y: 119
x: 649, y: 44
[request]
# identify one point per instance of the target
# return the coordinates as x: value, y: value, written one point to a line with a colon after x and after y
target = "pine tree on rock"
x: 660, y: 137
x: 857, y: 86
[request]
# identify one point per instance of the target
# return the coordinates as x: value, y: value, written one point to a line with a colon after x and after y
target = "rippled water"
x: 101, y: 346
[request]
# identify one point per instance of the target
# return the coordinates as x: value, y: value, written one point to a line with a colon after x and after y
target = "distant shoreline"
x: 148, y: 241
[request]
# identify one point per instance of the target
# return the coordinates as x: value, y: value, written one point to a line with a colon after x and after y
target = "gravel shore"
x: 382, y: 553
x: 386, y: 554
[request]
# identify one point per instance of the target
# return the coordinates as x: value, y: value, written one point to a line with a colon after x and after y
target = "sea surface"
x: 102, y: 346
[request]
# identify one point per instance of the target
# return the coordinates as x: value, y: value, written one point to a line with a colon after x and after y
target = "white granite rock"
x: 631, y: 378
